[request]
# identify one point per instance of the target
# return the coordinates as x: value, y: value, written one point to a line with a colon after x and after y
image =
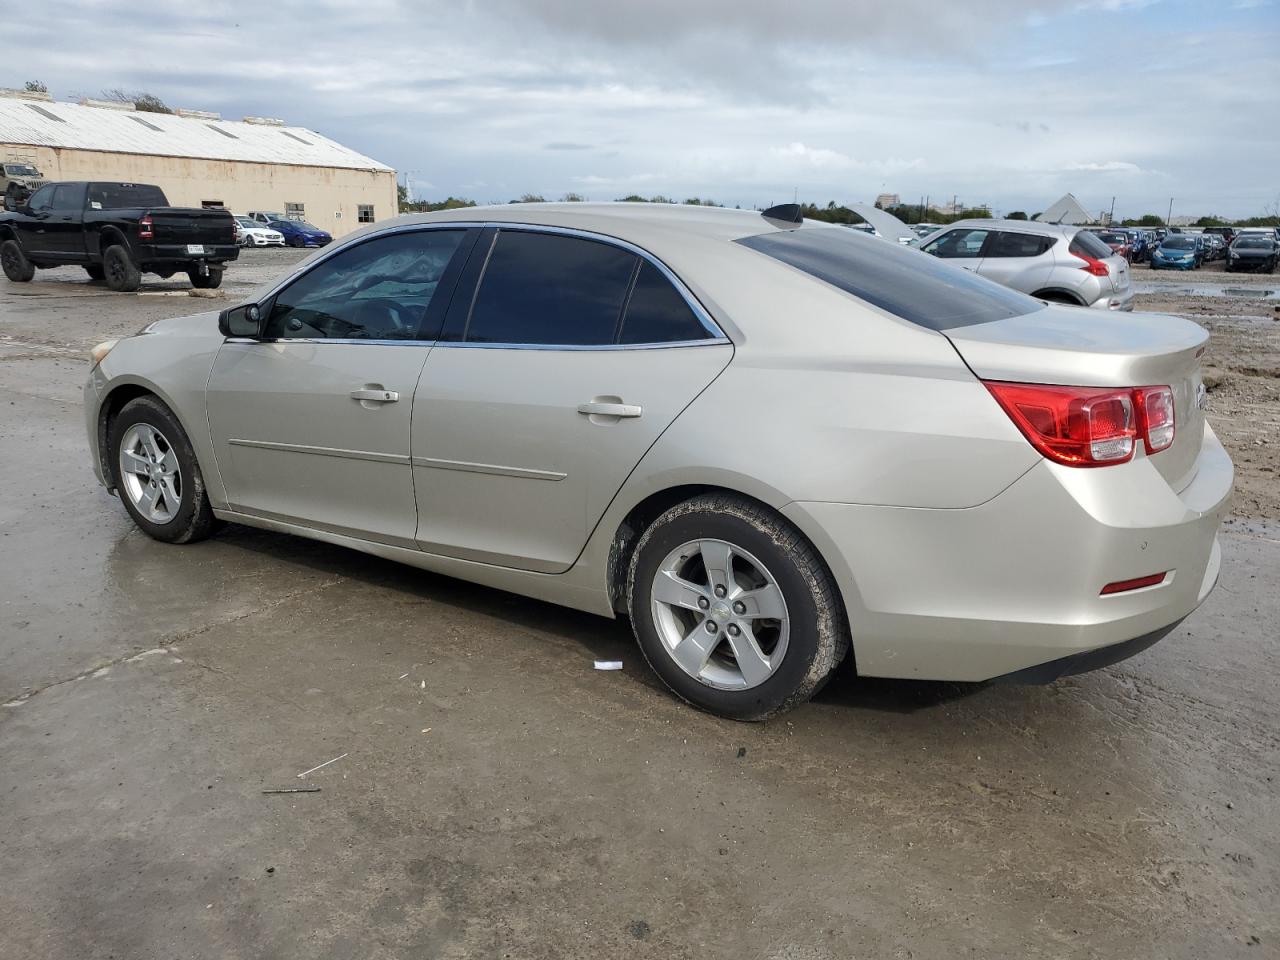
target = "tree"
x: 35, y: 86
x: 531, y: 198
x: 1211, y: 222
x: 573, y: 198
x: 141, y: 100
x: 1017, y: 215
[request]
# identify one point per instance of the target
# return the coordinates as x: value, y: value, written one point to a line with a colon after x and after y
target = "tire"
x: 95, y: 272
x: 16, y: 265
x: 120, y: 272
x: 796, y: 651
x: 206, y: 281
x: 167, y: 504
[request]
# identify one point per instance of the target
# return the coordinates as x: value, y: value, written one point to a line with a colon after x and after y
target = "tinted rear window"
x: 1019, y: 245
x: 657, y: 313
x: 906, y: 283
x: 1089, y: 244
x: 121, y: 196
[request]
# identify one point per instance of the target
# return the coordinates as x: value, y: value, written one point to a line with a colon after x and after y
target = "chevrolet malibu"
x: 770, y: 443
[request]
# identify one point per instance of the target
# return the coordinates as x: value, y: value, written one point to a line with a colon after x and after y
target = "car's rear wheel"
x: 157, y: 475
x: 119, y: 270
x: 205, y: 281
x: 734, y: 609
x: 16, y: 265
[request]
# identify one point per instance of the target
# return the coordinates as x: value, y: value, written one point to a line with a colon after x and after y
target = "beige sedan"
x: 771, y: 444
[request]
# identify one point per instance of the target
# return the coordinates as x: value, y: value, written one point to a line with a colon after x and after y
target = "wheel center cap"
x: 721, y: 610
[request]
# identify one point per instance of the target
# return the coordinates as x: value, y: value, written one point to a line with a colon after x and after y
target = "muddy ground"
x: 497, y: 797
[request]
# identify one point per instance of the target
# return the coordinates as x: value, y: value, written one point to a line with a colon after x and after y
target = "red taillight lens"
x: 1155, y: 417
x: 145, y: 231
x: 1093, y: 266
x: 1137, y: 583
x: 1088, y: 426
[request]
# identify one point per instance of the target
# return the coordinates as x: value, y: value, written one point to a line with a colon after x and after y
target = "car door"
x: 310, y: 424
x: 33, y: 226
x: 962, y: 246
x: 550, y: 383
x: 1018, y: 260
x: 64, y: 228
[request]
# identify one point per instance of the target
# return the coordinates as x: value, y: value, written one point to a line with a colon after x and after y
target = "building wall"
x: 330, y: 195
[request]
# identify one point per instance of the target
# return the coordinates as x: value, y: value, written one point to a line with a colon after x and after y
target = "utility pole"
x: 1168, y: 221
x: 1111, y: 217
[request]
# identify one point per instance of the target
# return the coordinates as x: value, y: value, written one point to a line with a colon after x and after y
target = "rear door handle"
x: 600, y: 409
x: 375, y: 396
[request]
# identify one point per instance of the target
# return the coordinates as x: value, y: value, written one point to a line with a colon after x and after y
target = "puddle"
x: 1207, y: 290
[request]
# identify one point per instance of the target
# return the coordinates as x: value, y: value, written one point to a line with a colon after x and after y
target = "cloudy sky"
x: 1006, y: 102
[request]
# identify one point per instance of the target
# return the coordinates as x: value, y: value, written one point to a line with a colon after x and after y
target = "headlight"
x: 99, y: 353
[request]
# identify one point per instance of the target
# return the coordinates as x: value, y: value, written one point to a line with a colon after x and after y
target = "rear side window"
x: 1019, y: 245
x: 1089, y: 244
x: 903, y: 282
x: 657, y: 313
x: 121, y: 196
x: 541, y: 288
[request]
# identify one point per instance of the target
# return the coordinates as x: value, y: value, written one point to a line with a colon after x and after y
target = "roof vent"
x: 199, y: 114
x: 265, y: 121
x: 25, y: 94
x: 106, y: 104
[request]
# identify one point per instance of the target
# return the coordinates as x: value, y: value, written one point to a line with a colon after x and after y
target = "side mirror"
x: 242, y: 321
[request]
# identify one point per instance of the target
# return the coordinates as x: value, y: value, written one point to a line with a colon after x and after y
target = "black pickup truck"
x: 117, y: 232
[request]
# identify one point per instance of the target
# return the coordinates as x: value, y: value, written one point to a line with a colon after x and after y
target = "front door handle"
x: 597, y: 408
x: 375, y: 396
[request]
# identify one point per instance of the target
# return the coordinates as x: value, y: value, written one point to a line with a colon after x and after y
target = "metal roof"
x: 75, y: 127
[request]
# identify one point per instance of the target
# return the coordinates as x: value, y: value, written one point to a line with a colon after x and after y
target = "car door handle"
x: 597, y: 408
x: 375, y: 396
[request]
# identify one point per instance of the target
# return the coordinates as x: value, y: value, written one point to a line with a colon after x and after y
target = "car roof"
x: 1020, y: 226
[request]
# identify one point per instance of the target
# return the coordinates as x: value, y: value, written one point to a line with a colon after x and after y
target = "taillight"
x: 1093, y: 265
x: 1155, y: 417
x: 1137, y: 583
x: 145, y: 230
x: 1088, y: 426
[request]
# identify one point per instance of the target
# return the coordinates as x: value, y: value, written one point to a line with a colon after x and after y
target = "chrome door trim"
x: 494, y: 469
x: 709, y: 324
x: 572, y: 347
x: 371, y: 455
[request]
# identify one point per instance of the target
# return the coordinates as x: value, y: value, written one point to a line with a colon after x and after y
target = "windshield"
x: 904, y: 282
x: 1179, y: 243
x: 1252, y: 243
x: 122, y: 196
x: 246, y: 222
x: 20, y: 170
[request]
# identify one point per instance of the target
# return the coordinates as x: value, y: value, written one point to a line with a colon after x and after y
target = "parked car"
x: 299, y: 233
x: 251, y: 233
x: 117, y: 232
x: 1178, y: 251
x: 462, y: 392
x: 1049, y: 261
x: 1119, y: 242
x: 1253, y: 252
x: 1226, y: 233
x: 1215, y: 247
x: 266, y: 216
x: 18, y: 180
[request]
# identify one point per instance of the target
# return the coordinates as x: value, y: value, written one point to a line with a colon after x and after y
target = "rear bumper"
x: 1116, y: 301
x: 175, y: 253
x: 1015, y: 583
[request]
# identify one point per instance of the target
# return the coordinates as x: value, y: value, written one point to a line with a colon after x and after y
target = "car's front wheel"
x: 15, y: 263
x: 734, y: 609
x: 156, y: 473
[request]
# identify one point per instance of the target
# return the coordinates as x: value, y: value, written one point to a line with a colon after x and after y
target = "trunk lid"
x: 1074, y: 346
x: 192, y: 225
x: 1118, y: 267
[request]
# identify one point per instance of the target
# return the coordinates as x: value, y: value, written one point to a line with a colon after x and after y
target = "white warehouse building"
x: 199, y: 159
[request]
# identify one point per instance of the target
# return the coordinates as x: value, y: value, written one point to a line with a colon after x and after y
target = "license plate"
x: 195, y: 248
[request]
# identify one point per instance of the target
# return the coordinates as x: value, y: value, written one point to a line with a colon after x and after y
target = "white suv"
x: 1050, y: 261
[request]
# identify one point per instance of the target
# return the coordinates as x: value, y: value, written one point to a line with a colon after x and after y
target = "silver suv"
x: 1055, y: 262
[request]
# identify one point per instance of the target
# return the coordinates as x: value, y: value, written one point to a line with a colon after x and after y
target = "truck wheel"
x: 95, y: 272
x: 206, y: 281
x: 119, y: 270
x: 16, y: 265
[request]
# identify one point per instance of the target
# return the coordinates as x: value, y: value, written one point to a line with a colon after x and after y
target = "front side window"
x: 42, y: 199
x: 364, y: 213
x: 1008, y: 244
x: 548, y: 289
x: 68, y: 197
x: 958, y: 244
x: 896, y: 279
x: 376, y: 290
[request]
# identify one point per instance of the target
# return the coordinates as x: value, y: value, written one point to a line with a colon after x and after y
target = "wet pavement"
x: 496, y: 796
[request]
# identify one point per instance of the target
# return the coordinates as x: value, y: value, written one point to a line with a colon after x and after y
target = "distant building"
x: 1066, y: 210
x: 886, y: 200
x: 200, y: 160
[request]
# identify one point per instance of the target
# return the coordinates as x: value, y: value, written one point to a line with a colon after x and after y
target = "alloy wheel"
x: 720, y: 614
x: 150, y: 474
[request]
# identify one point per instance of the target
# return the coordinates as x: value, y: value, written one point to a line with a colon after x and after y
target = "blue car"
x: 1178, y: 251
x: 299, y: 233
